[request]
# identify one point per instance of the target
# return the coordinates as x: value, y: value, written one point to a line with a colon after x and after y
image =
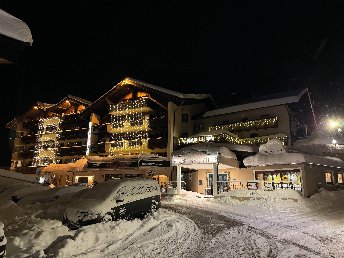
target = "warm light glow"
x: 47, y: 141
x: 248, y: 125
x: 233, y: 138
x: 333, y: 123
x: 35, y: 107
x: 129, y: 126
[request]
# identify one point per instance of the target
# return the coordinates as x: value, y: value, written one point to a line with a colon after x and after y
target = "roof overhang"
x: 204, y: 157
x: 15, y: 35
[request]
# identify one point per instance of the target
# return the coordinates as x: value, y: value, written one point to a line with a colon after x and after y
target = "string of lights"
x: 129, y: 127
x: 232, y: 138
x: 47, y: 141
x: 247, y: 125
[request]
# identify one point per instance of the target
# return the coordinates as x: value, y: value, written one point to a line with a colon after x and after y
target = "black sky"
x: 231, y: 49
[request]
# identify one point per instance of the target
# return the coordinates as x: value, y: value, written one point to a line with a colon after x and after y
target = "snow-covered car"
x: 3, y: 241
x: 113, y: 200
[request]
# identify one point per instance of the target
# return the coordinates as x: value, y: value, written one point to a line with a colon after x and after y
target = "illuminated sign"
x: 154, y: 163
x: 194, y: 158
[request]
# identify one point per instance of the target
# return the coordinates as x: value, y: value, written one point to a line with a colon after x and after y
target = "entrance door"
x: 222, y: 183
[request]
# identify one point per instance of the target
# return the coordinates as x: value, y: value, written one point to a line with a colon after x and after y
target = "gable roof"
x: 41, y: 107
x: 151, y: 87
x: 276, y: 99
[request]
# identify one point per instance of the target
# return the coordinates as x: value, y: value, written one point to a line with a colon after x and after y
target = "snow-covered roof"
x: 279, y: 100
x: 171, y: 92
x: 204, y: 155
x: 15, y: 28
x: 132, y: 81
x: 79, y: 165
x: 233, y: 147
x: 274, y: 153
x: 80, y: 99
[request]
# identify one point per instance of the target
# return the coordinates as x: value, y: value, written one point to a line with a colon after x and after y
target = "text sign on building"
x: 194, y: 159
x: 154, y: 163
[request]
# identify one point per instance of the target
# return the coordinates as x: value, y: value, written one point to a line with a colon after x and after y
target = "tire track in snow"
x: 226, y: 237
x: 271, y: 227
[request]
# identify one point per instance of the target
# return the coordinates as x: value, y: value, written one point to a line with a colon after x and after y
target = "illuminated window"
x: 328, y: 177
x: 340, y: 178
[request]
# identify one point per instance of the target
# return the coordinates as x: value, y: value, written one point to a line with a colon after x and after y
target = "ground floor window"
x: 340, y: 178
x: 279, y: 179
x: 328, y: 177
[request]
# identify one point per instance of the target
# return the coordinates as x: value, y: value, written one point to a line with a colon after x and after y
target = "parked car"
x: 3, y: 241
x: 113, y: 200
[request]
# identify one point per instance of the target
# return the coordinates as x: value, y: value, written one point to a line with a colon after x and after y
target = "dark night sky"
x: 231, y: 49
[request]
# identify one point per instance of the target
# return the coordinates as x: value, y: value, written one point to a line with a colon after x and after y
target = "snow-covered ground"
x: 249, y: 223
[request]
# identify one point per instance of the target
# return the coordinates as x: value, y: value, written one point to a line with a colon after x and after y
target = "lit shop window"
x: 328, y: 177
x: 340, y: 178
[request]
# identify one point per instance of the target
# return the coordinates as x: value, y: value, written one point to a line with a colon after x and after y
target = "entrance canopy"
x: 201, y: 156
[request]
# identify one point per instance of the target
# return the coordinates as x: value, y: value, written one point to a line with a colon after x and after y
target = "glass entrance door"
x: 222, y: 182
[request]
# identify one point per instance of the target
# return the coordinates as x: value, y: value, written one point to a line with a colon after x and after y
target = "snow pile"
x: 203, y: 150
x: 279, y: 199
x: 273, y: 152
x: 202, y: 154
x: 273, y: 147
x: 251, y: 223
x: 12, y: 27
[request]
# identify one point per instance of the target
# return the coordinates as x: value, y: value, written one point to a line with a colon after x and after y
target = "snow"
x: 136, y: 82
x: 79, y: 165
x: 256, y: 105
x: 199, y: 151
x: 2, y: 235
x: 276, y: 223
x: 12, y: 27
x: 273, y: 152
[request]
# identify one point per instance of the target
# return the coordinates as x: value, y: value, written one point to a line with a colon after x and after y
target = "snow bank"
x: 12, y: 27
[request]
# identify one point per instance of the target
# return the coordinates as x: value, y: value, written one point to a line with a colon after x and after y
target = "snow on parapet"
x: 273, y: 153
x: 12, y: 27
x: 255, y: 105
x: 171, y: 92
x: 273, y: 146
x: 206, y: 150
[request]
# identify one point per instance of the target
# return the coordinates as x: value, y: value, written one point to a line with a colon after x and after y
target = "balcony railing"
x: 71, y: 151
x: 263, y: 123
x: 27, y: 154
x: 28, y: 139
x: 73, y: 134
